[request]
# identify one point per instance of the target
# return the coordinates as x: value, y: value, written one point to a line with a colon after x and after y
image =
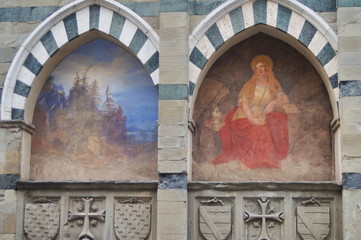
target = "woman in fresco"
x: 255, y: 131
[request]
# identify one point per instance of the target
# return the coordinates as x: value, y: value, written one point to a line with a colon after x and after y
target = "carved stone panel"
x: 41, y: 220
x: 264, y: 217
x: 132, y: 219
x: 86, y: 218
x: 215, y: 221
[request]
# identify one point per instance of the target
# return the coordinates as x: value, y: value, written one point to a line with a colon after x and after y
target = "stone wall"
x: 176, y: 200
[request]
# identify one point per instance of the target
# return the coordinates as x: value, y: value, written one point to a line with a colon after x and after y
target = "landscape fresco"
x: 96, y: 118
x: 302, y: 125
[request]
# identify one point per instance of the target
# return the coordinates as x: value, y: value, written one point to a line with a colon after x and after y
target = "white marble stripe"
x: 82, y: 19
x: 205, y: 47
x: 128, y: 32
x: 272, y: 9
x: 18, y: 101
x: 59, y: 34
x: 317, y: 43
x: 146, y: 51
x: 26, y: 76
x: 40, y: 53
x: 248, y: 16
x: 336, y: 92
x: 331, y: 67
x: 155, y: 76
x: 194, y: 72
x: 296, y: 24
x: 225, y: 27
x: 105, y: 19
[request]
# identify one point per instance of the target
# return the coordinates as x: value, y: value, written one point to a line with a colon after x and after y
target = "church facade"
x: 187, y: 119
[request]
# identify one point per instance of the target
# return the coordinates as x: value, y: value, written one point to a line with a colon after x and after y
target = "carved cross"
x: 87, y: 215
x: 264, y: 216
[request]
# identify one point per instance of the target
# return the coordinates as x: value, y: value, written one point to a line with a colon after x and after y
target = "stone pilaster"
x: 349, y: 30
x: 173, y: 120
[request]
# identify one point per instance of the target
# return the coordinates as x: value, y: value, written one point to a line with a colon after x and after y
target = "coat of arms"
x: 132, y: 219
x: 215, y: 222
x: 313, y: 222
x: 41, y: 220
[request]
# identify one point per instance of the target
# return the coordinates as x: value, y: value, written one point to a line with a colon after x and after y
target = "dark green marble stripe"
x: 307, y: 33
x: 138, y: 41
x: 260, y: 12
x: 173, y: 181
x: 283, y: 18
x: 174, y: 5
x: 117, y: 25
x: 25, y: 14
x: 350, y: 88
x: 22, y: 89
x: 334, y: 80
x: 351, y: 181
x: 349, y: 3
x: 204, y: 7
x: 326, y: 54
x: 153, y: 63
x: 33, y: 64
x: 173, y: 91
x: 197, y: 58
x: 192, y: 86
x: 237, y: 20
x: 8, y: 181
x: 215, y: 36
x: 144, y: 9
x: 320, y: 5
x: 17, y: 114
x: 94, y: 12
x: 49, y: 43
x: 71, y: 26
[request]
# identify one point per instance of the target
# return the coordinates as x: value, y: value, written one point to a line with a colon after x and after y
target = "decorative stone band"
x: 301, y: 23
x: 137, y: 35
x: 173, y: 181
x: 351, y: 181
x: 8, y: 181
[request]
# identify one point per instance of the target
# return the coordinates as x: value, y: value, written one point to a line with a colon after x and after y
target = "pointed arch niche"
x: 303, y: 49
x: 69, y: 29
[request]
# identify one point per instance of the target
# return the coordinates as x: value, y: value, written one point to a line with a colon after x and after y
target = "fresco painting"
x: 96, y: 118
x: 262, y: 113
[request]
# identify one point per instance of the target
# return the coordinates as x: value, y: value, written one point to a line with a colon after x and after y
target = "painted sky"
x: 130, y: 84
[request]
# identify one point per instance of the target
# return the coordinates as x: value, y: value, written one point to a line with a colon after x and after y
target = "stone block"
x: 12, y: 3
x: 172, y: 207
x: 349, y: 73
x: 173, y: 112
x: 194, y: 20
x: 153, y: 22
x: 172, y: 130
x: 171, y: 63
x: 172, y: 195
x: 351, y: 128
x: 10, y: 195
x: 172, y: 224
x: 173, y: 48
x: 172, y: 154
x: 7, y: 236
x: 349, y: 44
x: 349, y: 15
x: 351, y: 144
x: 350, y: 102
x: 10, y: 223
x: 4, y: 67
x: 349, y: 30
x: 171, y: 142
x: 173, y: 76
x: 350, y: 115
x: 349, y: 58
x: 172, y: 166
x: 351, y: 210
x: 174, y: 20
x: 174, y: 34
x: 6, y: 56
x: 351, y: 164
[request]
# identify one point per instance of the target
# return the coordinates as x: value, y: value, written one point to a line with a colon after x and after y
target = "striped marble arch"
x: 63, y: 26
x: 287, y: 16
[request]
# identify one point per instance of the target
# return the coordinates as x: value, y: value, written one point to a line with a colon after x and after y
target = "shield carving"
x: 215, y: 222
x: 132, y: 221
x: 313, y: 222
x: 41, y: 220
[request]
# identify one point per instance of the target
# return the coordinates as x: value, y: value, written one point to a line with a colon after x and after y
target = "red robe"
x: 257, y: 146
